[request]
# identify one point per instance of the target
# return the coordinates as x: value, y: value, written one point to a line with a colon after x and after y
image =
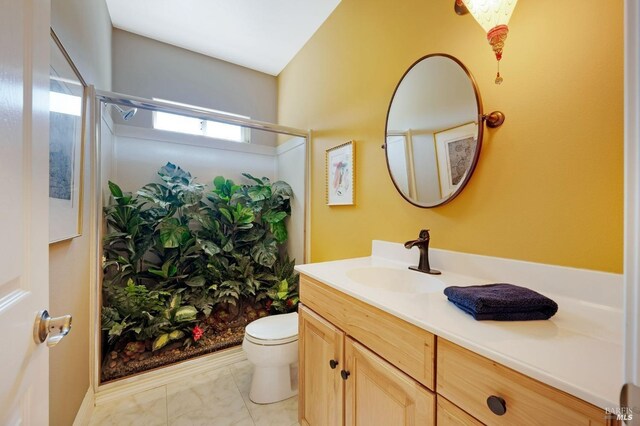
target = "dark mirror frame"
x: 480, y: 119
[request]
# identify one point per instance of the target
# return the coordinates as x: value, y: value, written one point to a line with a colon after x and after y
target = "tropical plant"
x: 284, y: 293
x: 175, y: 252
x: 131, y: 311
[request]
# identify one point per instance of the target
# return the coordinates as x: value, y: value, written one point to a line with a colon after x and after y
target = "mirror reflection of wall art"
x: 66, y: 140
x: 340, y: 163
x: 455, y: 149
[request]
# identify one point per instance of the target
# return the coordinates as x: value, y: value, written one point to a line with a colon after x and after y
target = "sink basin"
x: 395, y: 280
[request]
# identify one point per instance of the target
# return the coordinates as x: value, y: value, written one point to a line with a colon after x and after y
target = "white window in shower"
x: 196, y: 126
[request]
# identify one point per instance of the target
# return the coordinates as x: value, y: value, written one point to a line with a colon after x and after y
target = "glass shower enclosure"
x: 194, y: 234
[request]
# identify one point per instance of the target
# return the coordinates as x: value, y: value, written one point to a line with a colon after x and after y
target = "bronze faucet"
x: 423, y: 244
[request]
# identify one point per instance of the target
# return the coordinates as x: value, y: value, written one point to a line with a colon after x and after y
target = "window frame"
x: 245, y: 132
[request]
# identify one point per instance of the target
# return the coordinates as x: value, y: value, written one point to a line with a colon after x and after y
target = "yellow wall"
x: 549, y: 184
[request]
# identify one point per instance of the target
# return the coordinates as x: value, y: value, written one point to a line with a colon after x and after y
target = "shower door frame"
x: 100, y: 97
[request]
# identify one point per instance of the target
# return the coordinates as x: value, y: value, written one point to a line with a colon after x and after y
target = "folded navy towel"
x: 502, y: 302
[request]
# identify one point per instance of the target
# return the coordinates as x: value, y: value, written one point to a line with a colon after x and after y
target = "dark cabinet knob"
x: 345, y: 374
x: 497, y: 405
x: 333, y: 364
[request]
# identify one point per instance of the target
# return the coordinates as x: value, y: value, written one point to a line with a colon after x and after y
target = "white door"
x: 24, y: 165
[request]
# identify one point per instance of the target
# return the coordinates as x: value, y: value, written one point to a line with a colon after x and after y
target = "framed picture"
x: 340, y: 175
x: 67, y: 111
x: 455, y: 150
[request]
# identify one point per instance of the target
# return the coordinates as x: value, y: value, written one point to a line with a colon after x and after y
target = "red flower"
x: 268, y: 304
x: 197, y: 333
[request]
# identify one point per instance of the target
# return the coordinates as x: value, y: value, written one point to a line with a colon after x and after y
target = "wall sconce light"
x: 493, y: 16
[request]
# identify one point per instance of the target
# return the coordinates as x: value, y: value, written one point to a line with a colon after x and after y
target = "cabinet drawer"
x: 407, y: 347
x: 450, y: 415
x: 467, y: 380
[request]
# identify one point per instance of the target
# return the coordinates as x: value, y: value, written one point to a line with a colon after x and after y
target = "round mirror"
x: 434, y: 131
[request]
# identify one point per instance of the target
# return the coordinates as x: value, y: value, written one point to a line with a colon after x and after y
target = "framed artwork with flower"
x: 340, y: 175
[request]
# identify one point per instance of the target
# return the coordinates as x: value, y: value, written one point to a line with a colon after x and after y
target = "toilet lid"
x: 274, y: 329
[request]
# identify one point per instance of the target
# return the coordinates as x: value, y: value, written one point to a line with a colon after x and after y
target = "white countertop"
x: 579, y: 350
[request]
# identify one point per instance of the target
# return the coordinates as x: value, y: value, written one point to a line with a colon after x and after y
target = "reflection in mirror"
x: 432, y: 134
x: 66, y: 108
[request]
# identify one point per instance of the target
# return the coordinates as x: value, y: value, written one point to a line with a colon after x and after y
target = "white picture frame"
x: 67, y: 115
x: 455, y: 150
x: 340, y: 175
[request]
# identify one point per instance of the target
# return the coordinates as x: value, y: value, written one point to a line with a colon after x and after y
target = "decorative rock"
x: 112, y: 364
x: 133, y: 347
x: 114, y: 355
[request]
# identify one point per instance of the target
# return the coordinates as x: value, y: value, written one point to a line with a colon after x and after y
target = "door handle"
x: 49, y: 329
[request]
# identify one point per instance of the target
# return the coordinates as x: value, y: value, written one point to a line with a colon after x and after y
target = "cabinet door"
x: 377, y: 393
x: 321, y: 394
x: 450, y: 415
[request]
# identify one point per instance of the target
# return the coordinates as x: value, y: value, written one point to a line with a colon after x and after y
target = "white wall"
x: 84, y: 27
x: 291, y: 166
x: 425, y: 165
x: 397, y: 160
x: 139, y: 153
x: 429, y: 104
x: 149, y: 68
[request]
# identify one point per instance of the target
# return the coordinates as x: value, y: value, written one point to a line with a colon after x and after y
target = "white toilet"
x: 271, y: 345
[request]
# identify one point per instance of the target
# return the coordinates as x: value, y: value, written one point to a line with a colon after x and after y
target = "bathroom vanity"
x: 381, y: 345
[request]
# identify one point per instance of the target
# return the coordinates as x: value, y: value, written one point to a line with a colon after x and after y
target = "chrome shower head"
x: 127, y: 114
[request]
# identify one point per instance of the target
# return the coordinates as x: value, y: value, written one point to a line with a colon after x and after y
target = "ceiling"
x: 260, y: 34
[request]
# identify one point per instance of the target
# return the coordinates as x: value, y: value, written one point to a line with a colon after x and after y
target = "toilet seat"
x: 273, y: 330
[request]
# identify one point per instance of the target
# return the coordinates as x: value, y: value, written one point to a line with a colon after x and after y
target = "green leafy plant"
x: 131, y: 311
x: 176, y: 252
x: 284, y: 295
x: 175, y: 322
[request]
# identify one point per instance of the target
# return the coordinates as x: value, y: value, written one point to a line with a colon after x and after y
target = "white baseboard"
x: 83, y: 417
x: 144, y: 381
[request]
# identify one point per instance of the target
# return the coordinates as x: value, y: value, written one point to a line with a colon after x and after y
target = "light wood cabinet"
x: 468, y: 379
x: 320, y: 384
x: 342, y: 382
x: 450, y: 415
x: 385, y: 372
x: 407, y: 347
x: 377, y: 393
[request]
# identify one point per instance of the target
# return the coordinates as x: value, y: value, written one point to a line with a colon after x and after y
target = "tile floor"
x: 217, y: 398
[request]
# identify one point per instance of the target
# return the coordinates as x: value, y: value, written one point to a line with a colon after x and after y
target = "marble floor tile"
x: 216, y: 398
x: 148, y: 408
x: 207, y: 399
x: 277, y: 414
